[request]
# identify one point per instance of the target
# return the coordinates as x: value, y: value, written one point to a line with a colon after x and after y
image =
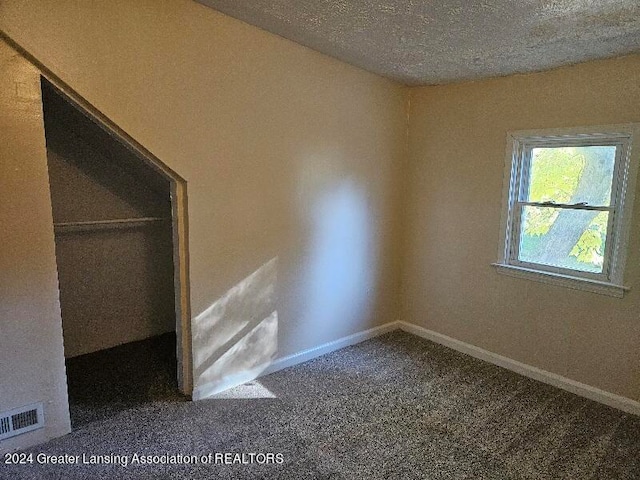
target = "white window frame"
x: 518, y: 158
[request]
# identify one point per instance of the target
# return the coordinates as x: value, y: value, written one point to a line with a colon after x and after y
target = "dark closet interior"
x: 114, y: 252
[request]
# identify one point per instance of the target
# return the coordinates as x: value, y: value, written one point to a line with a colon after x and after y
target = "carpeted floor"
x: 103, y: 383
x: 395, y: 407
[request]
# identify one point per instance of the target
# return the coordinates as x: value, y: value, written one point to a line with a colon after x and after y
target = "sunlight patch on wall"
x: 340, y: 265
x: 337, y: 282
x: 236, y: 338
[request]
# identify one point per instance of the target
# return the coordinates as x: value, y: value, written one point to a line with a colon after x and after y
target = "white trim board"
x: 310, y: 354
x: 592, y: 393
x: 202, y: 392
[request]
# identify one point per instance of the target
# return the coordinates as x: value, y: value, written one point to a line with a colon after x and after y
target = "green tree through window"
x: 568, y: 198
x: 567, y: 238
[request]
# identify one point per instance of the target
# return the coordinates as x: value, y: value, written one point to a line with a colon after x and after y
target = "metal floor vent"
x: 21, y: 420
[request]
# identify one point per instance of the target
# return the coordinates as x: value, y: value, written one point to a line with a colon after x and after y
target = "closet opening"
x: 120, y: 234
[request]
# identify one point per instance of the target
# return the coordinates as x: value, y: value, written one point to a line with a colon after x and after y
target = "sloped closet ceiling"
x: 424, y: 42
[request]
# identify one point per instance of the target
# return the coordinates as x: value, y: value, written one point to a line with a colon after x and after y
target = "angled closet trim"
x: 179, y: 218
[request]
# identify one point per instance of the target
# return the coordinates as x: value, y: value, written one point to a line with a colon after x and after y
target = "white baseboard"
x: 310, y: 354
x: 584, y: 390
x: 211, y: 389
x: 581, y: 389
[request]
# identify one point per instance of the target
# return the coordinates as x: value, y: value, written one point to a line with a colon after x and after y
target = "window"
x: 567, y: 206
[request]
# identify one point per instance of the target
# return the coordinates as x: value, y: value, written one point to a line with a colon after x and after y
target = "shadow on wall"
x: 236, y: 338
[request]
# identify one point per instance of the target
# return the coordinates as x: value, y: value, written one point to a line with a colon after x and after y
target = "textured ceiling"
x: 429, y: 42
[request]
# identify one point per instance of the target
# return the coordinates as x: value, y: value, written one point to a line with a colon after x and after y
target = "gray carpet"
x: 395, y: 407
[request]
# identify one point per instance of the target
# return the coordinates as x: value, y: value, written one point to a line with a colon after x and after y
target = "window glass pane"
x: 573, y: 239
x: 572, y: 175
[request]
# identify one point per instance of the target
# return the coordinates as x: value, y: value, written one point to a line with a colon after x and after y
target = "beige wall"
x: 457, y: 153
x: 287, y: 154
x: 29, y: 307
x: 293, y: 161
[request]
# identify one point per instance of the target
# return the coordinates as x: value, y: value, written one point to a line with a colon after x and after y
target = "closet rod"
x: 110, y: 222
x: 99, y: 224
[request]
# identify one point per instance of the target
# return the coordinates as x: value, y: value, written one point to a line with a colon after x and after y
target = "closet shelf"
x: 106, y: 224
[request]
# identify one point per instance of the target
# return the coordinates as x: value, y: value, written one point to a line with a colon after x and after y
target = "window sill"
x: 568, y: 281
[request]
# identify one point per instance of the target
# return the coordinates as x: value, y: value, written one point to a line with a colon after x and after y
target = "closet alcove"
x: 112, y: 217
